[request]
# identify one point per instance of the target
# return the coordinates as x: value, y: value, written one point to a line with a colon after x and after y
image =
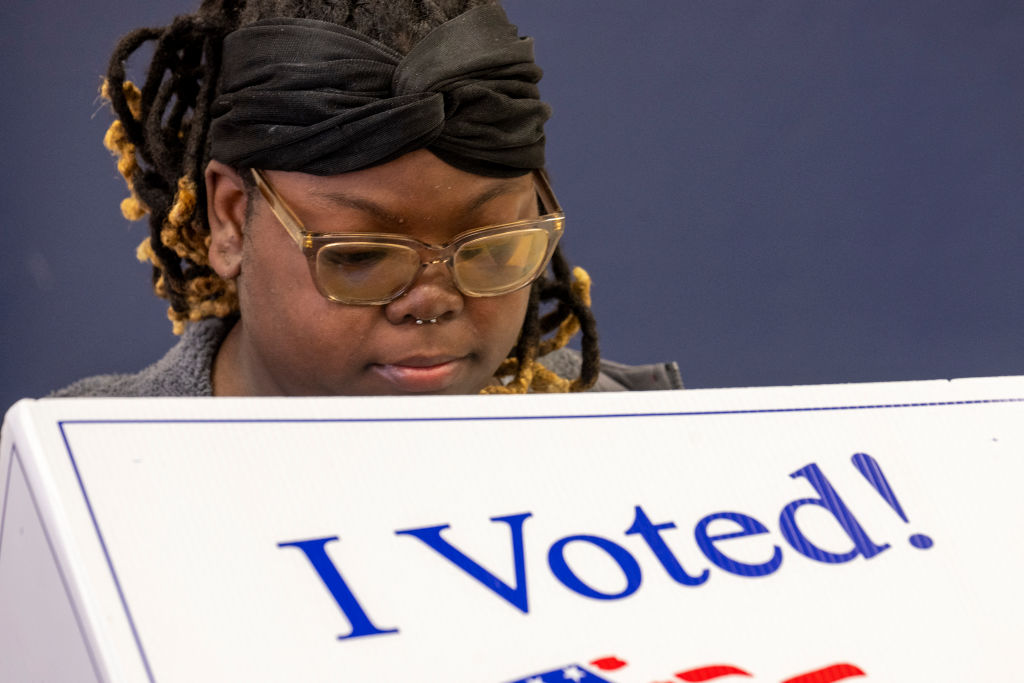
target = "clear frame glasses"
x: 376, y: 268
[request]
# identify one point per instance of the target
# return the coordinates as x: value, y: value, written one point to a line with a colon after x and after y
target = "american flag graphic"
x: 575, y: 673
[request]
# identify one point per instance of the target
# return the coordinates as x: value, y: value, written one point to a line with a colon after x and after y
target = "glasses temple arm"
x: 280, y: 209
x: 549, y: 203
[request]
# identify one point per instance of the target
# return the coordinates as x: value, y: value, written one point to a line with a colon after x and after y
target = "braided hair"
x: 161, y: 139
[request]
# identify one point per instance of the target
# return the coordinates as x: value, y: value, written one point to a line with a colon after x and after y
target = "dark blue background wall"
x: 768, y: 192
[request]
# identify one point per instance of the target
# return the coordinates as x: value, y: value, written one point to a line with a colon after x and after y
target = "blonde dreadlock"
x: 530, y: 375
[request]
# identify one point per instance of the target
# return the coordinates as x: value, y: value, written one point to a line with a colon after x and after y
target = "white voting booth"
x: 805, y: 535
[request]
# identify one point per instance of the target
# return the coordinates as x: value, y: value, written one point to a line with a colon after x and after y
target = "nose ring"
x: 420, y: 321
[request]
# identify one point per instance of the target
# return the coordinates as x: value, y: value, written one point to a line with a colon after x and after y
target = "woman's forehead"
x: 416, y: 180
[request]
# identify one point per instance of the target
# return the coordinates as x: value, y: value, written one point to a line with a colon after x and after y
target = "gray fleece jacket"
x: 186, y: 370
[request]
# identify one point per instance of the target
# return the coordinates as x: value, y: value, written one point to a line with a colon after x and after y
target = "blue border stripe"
x: 106, y: 554
x: 501, y: 418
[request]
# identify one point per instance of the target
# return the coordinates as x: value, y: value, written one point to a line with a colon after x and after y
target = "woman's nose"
x: 433, y: 296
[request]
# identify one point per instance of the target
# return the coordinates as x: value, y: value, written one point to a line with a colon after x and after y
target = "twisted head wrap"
x: 311, y: 96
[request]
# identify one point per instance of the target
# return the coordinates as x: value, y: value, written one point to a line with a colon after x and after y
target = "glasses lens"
x: 501, y: 263
x: 355, y: 272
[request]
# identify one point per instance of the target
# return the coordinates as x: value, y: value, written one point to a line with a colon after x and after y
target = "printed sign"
x: 797, y: 535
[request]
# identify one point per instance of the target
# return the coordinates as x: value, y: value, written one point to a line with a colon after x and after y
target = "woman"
x: 349, y: 198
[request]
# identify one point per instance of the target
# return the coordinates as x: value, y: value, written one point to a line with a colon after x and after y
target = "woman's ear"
x: 226, y: 206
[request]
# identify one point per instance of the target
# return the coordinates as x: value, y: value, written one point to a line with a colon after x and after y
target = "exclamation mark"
x: 871, y: 471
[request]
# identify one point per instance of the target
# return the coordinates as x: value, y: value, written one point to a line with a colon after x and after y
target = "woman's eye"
x: 498, y: 251
x: 356, y: 258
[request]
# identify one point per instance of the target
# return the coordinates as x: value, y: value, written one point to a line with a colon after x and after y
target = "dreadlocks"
x: 161, y: 138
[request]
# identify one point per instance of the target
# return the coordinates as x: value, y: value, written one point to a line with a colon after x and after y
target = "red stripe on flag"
x: 707, y: 673
x: 836, y: 672
x: 608, y: 663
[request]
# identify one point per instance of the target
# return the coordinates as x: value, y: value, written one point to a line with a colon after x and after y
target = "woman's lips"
x: 422, y: 374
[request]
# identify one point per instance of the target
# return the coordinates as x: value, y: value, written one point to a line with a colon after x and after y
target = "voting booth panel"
x: 801, y: 534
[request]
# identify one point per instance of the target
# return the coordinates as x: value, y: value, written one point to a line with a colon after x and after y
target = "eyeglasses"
x: 377, y: 268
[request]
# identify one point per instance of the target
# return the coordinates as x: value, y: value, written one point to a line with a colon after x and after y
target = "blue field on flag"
x: 573, y: 673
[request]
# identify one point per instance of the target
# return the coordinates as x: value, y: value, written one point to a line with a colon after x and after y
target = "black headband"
x: 311, y: 96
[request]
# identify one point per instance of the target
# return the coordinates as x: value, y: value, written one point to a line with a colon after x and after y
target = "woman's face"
x: 291, y: 340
